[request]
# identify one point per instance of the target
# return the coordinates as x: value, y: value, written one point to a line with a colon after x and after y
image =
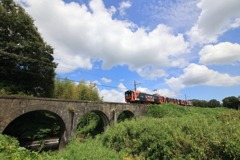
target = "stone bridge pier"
x: 68, y: 112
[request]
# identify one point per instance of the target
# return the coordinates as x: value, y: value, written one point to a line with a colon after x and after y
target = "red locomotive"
x: 139, y: 97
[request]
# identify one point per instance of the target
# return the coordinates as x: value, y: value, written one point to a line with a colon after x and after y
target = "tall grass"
x: 183, y: 133
x: 91, y: 149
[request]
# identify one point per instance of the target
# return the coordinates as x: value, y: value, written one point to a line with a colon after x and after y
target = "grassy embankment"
x: 168, y: 132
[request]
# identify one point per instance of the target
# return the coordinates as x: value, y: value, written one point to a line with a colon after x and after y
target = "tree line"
x: 228, y: 102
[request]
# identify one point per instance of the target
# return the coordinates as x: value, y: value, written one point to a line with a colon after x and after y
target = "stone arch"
x: 21, y: 111
x: 127, y: 114
x: 103, y: 117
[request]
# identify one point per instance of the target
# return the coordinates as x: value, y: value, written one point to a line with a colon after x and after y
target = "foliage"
x: 21, y: 50
x: 10, y: 150
x: 71, y: 109
x: 124, y: 115
x: 231, y: 102
x: 213, y: 103
x: 173, y: 110
x: 186, y: 133
x: 90, y: 149
x: 66, y: 89
x: 34, y: 126
x: 4, y: 92
x: 200, y: 103
x: 75, y: 150
x: 89, y: 125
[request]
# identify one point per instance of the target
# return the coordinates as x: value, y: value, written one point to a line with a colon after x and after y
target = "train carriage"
x: 139, y: 97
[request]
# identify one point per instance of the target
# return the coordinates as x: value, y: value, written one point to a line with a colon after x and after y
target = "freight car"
x: 139, y: 97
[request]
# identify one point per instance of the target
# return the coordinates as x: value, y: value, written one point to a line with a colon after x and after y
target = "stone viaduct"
x: 68, y: 112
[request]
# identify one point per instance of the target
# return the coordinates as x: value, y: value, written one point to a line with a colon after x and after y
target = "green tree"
x: 200, y: 103
x: 213, y: 103
x: 26, y: 61
x: 231, y: 102
x: 66, y: 89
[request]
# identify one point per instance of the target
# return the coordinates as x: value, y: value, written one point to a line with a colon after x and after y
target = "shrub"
x: 10, y: 150
x: 187, y: 133
x: 90, y: 149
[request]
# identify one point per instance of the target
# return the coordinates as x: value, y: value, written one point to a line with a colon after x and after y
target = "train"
x: 139, y: 97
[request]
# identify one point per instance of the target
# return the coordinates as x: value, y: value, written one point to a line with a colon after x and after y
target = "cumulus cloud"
x: 112, y: 95
x: 122, y: 87
x: 106, y: 80
x: 222, y: 53
x: 216, y: 18
x: 82, y: 35
x: 151, y: 74
x: 196, y: 74
x: 123, y: 6
x: 162, y: 92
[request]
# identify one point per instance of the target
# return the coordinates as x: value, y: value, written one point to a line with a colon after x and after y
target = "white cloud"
x: 96, y: 82
x: 216, y: 18
x: 151, y: 73
x: 112, y: 95
x: 123, y: 6
x: 222, y: 53
x: 196, y: 74
x: 122, y: 87
x: 106, y: 80
x: 235, y: 24
x: 180, y: 15
x: 82, y: 35
x: 162, y: 92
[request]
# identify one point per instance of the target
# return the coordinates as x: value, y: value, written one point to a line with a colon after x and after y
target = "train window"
x: 137, y: 95
x: 127, y: 95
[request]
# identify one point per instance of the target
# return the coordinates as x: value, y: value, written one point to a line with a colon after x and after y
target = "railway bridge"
x: 68, y: 112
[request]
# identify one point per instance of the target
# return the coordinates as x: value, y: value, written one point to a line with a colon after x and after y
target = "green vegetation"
x: 89, y: 125
x: 26, y: 61
x: 91, y: 149
x: 231, y: 102
x: 124, y: 116
x: 178, y: 132
x: 228, y: 102
x: 10, y: 150
x: 4, y: 92
x: 66, y: 89
x: 167, y: 132
x: 213, y: 103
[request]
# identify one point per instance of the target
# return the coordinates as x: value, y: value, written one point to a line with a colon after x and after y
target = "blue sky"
x: 181, y: 48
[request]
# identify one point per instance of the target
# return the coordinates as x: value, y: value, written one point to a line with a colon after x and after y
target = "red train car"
x: 139, y: 97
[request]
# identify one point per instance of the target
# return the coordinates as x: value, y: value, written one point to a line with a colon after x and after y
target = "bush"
x: 89, y: 125
x: 194, y: 134
x: 90, y: 149
x: 10, y: 150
